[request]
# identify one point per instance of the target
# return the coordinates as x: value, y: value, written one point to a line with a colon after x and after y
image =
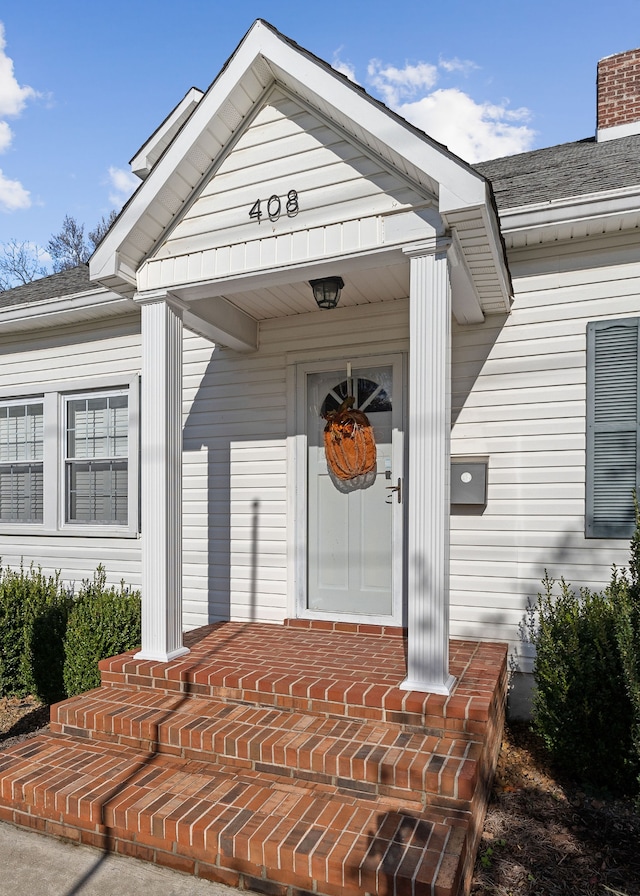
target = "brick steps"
x: 374, y: 757
x: 283, y: 759
x: 219, y: 822
x: 356, y: 675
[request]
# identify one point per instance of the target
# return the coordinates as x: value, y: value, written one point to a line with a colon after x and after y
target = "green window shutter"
x: 612, y: 427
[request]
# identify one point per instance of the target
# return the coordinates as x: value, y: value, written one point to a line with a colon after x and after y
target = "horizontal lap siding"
x: 78, y: 355
x: 518, y: 387
x: 234, y: 500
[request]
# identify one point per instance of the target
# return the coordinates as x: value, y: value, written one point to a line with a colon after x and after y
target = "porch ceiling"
x: 280, y: 299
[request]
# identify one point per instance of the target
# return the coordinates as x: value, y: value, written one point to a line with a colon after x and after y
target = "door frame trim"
x: 297, y: 472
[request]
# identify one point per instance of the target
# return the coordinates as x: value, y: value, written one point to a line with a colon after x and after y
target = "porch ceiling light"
x: 326, y: 291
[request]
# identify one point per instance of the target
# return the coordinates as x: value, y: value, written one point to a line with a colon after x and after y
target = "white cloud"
x: 6, y: 136
x: 123, y: 183
x: 13, y: 98
x: 13, y: 195
x: 395, y: 84
x: 464, y: 66
x: 473, y: 130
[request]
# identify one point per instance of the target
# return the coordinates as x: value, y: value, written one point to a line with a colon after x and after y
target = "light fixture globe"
x: 326, y: 291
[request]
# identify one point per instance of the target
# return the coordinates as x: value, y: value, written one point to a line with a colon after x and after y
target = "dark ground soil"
x: 543, y: 836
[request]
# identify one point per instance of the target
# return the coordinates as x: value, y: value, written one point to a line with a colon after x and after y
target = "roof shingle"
x: 558, y: 172
x: 65, y: 283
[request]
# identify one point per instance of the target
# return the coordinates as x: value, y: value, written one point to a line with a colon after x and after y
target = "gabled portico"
x: 222, y: 238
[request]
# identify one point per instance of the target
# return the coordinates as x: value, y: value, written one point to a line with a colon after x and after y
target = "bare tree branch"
x: 20, y: 263
x: 99, y: 231
x: 68, y: 248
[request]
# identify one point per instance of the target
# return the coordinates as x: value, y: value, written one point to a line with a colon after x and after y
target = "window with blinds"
x: 21, y: 454
x: 613, y: 427
x: 97, y: 446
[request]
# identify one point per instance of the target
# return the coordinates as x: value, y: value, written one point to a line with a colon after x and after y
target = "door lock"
x: 394, y: 488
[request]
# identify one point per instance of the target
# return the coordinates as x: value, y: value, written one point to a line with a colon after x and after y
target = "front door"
x: 354, y: 531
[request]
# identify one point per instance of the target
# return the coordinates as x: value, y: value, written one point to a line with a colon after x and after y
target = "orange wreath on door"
x: 349, y: 445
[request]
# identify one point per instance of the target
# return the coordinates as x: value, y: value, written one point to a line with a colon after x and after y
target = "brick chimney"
x: 619, y: 95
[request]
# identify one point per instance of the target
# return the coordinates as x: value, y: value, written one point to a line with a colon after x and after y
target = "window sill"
x: 38, y: 530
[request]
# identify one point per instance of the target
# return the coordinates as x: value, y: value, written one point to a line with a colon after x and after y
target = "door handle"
x: 394, y: 488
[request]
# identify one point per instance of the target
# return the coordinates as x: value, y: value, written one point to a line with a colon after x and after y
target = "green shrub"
x: 628, y: 637
x: 43, y: 658
x: 581, y: 705
x: 103, y: 622
x: 33, y: 613
x: 625, y: 592
x: 587, y: 672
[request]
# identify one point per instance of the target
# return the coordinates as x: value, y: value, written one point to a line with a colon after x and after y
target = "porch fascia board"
x: 429, y: 469
x: 278, y: 275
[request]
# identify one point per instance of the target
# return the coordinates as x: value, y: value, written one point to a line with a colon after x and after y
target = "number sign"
x: 274, y: 206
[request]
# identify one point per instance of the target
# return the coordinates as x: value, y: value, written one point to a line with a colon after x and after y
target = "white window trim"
x: 54, y: 397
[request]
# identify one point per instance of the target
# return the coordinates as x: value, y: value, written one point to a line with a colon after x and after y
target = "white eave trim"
x: 100, y: 303
x: 545, y: 216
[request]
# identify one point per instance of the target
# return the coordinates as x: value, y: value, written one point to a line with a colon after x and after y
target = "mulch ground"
x: 546, y: 836
x: 543, y: 836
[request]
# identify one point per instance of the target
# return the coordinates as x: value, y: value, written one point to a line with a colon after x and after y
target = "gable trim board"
x: 221, y: 345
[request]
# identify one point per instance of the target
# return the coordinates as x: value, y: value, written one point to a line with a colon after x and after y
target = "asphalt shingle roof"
x: 66, y: 283
x: 558, y: 172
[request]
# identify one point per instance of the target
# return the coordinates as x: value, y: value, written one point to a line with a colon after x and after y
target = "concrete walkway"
x: 32, y: 863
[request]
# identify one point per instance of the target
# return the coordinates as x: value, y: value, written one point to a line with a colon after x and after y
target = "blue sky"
x: 82, y: 85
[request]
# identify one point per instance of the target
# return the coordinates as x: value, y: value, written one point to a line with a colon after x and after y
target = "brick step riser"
x: 359, y: 756
x: 437, y: 725
x: 416, y: 794
x: 450, y: 777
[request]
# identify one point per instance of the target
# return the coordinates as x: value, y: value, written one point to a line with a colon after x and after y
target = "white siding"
x: 81, y: 357
x: 519, y: 398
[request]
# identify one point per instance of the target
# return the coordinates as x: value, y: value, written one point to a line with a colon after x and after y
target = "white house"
x: 161, y: 412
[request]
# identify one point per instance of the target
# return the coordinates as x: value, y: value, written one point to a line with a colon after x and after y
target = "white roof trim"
x: 148, y: 154
x: 101, y: 303
x: 547, y: 215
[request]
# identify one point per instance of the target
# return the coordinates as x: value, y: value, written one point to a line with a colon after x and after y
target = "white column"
x: 428, y: 489
x: 161, y: 475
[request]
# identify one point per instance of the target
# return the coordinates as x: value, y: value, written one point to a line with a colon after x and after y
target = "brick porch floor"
x: 282, y: 759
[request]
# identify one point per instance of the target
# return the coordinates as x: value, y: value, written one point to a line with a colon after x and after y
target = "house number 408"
x: 275, y: 206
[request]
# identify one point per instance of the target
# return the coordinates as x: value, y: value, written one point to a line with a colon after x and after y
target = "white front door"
x: 354, y: 531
